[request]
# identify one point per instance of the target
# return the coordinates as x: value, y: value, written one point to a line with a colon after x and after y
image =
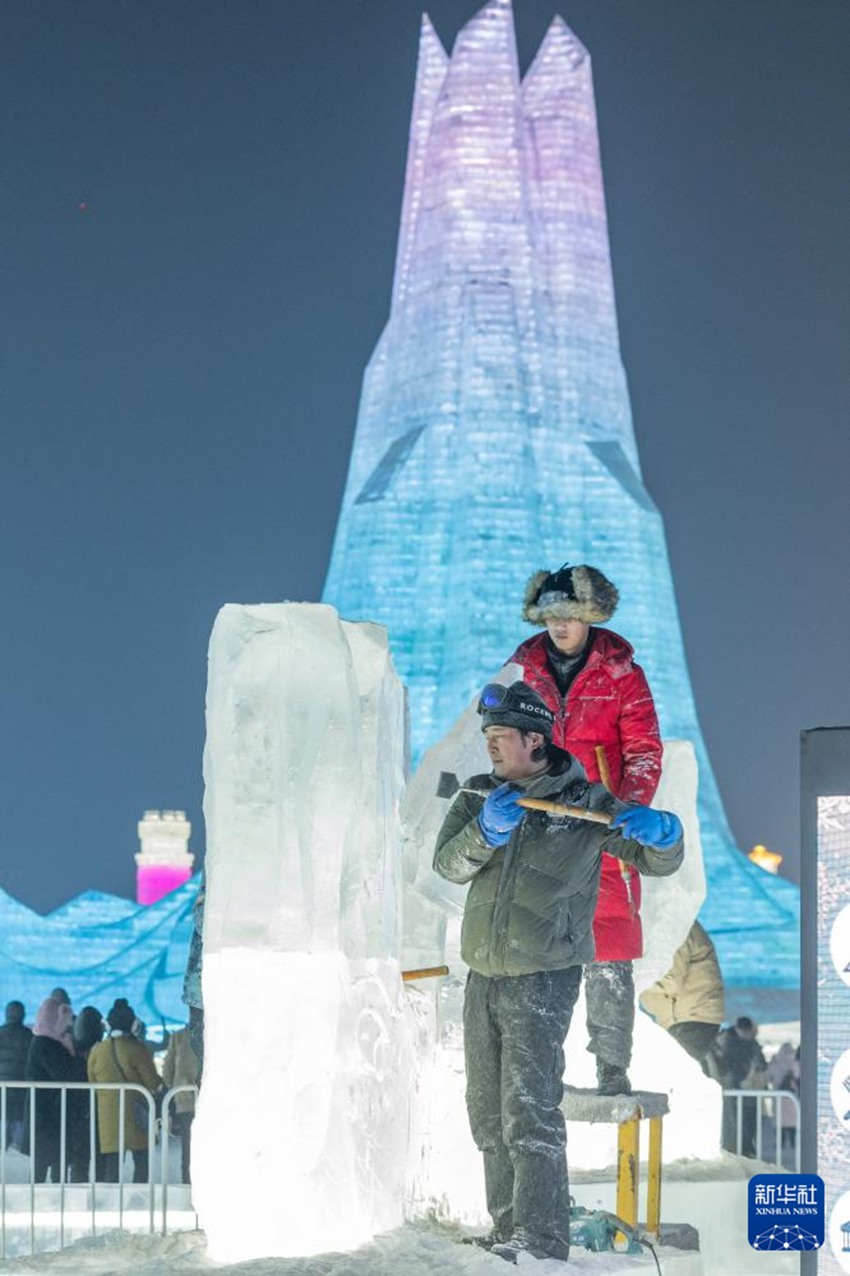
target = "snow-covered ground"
x: 709, y: 1195
x: 412, y: 1250
x: 407, y: 1251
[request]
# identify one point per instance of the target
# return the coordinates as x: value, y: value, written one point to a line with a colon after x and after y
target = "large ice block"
x: 300, y: 1140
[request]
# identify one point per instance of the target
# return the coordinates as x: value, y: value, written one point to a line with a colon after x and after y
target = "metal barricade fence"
x: 745, y: 1114
x: 51, y: 1212
x: 165, y: 1176
x: 32, y: 1207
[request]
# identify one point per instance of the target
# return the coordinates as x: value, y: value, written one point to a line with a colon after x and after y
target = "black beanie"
x: 88, y: 1028
x: 515, y: 706
x: 121, y: 1016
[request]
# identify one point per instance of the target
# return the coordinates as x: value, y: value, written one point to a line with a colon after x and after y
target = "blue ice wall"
x: 495, y: 433
x: 99, y: 947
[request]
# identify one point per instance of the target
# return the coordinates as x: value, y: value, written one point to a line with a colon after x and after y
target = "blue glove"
x: 500, y: 814
x: 661, y: 829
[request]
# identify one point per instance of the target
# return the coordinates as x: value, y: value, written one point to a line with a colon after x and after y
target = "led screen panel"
x: 825, y: 1056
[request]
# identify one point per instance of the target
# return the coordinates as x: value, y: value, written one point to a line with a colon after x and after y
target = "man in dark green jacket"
x: 527, y: 932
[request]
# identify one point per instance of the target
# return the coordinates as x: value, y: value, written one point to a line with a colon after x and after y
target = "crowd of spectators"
x: 688, y: 1002
x: 91, y: 1048
x: 58, y: 1128
x: 741, y: 1064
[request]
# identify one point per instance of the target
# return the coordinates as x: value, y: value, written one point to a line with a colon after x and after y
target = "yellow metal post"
x: 653, y: 1186
x: 628, y: 1151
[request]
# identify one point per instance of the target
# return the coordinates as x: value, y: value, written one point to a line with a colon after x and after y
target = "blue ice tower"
x: 495, y: 433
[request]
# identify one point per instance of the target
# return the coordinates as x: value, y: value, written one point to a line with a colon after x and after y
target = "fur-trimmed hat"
x: 515, y: 706
x: 570, y: 593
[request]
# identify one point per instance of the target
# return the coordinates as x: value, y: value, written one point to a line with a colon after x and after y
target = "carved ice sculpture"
x: 301, y: 1136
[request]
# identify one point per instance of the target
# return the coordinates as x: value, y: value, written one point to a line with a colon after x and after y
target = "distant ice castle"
x: 495, y: 434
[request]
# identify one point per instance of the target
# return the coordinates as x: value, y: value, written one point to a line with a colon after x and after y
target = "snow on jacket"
x: 608, y: 703
x: 692, y: 989
x: 137, y: 1066
x: 531, y: 902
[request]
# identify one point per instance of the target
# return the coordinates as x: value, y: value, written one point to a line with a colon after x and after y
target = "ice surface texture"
x: 301, y: 1137
x: 495, y: 434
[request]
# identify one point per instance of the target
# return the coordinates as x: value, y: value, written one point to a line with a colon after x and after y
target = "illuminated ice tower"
x: 164, y: 862
x: 495, y: 433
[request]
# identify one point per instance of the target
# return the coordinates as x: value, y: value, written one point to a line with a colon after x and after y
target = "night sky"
x: 200, y: 203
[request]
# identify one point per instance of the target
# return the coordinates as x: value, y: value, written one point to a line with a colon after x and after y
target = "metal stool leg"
x: 653, y: 1187
x: 628, y: 1152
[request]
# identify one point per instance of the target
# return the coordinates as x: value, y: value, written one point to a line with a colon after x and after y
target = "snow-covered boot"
x: 486, y: 1240
x: 611, y: 1080
x: 523, y: 1242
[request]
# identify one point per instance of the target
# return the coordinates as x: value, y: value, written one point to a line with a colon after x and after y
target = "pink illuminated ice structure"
x: 164, y: 861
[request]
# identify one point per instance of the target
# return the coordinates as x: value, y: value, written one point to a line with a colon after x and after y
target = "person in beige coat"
x: 181, y: 1067
x: 121, y: 1057
x: 688, y: 1000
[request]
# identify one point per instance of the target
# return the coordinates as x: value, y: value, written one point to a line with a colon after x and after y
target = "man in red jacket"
x: 604, y: 716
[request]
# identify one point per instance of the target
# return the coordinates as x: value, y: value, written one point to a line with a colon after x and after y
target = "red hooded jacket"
x: 608, y: 703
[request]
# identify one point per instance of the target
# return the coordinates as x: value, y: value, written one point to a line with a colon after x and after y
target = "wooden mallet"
x: 448, y: 786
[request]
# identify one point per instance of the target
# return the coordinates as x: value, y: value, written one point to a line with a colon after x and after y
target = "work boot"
x: 523, y: 1242
x: 485, y: 1240
x: 500, y: 1231
x: 611, y: 1080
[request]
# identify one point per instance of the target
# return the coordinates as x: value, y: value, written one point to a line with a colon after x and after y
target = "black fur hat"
x: 570, y: 593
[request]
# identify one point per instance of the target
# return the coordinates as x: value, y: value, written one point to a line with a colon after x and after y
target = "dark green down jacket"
x: 531, y: 902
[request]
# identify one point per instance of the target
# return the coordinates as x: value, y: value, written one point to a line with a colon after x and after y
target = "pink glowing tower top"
x: 164, y: 861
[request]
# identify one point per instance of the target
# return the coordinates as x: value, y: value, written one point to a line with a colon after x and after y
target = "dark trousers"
x: 514, y: 1030
x: 697, y: 1038
x: 14, y: 1131
x: 181, y: 1125
x: 609, y: 989
x: 749, y: 1122
x: 15, y: 1109
x: 80, y: 1168
x: 45, y: 1157
x: 112, y: 1166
